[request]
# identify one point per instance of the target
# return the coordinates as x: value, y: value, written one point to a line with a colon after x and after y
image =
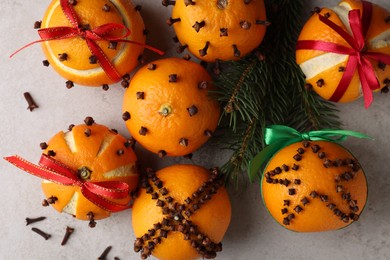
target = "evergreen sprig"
x: 267, y: 87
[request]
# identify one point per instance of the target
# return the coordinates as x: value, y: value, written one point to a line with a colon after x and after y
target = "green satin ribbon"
x: 278, y: 136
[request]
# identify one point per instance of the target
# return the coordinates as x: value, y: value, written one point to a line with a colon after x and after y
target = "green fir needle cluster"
x: 267, y: 87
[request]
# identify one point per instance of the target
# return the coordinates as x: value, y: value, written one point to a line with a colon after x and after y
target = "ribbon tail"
x: 24, y: 47
x: 325, y: 134
x: 145, y: 46
x: 101, y: 202
x: 39, y: 171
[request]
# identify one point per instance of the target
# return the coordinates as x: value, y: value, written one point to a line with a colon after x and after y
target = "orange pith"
x: 314, y: 29
x: 178, y: 116
x: 181, y: 182
x: 217, y: 15
x: 77, y: 67
x: 99, y: 153
x: 322, y: 193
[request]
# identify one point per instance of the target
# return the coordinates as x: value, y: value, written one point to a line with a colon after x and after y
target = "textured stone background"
x: 253, y: 234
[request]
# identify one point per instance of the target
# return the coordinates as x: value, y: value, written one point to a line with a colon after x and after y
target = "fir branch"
x: 256, y: 92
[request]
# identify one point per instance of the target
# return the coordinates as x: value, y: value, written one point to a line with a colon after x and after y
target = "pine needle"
x: 256, y: 92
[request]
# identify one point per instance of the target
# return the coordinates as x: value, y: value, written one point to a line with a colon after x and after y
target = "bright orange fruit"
x: 314, y: 186
x: 182, y: 212
x: 167, y: 108
x: 219, y: 30
x: 324, y: 70
x: 103, y: 152
x: 93, y: 13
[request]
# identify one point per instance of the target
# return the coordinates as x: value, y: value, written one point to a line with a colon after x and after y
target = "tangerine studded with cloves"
x: 324, y: 188
x: 325, y: 70
x: 167, y: 107
x: 96, y: 154
x: 182, y: 212
x: 218, y: 30
x: 73, y: 59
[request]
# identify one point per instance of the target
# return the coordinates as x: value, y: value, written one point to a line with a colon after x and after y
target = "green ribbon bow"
x: 278, y: 136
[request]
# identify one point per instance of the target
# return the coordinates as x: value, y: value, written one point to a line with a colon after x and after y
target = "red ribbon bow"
x: 104, y: 32
x: 96, y: 192
x: 358, y: 57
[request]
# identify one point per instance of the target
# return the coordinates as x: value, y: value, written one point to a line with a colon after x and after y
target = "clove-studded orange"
x: 72, y: 57
x: 218, y: 30
x: 167, y: 108
x: 314, y: 186
x: 96, y: 154
x: 182, y: 212
x: 325, y: 70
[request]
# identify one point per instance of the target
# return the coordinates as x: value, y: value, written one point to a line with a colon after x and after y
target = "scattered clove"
x: 33, y: 220
x: 69, y: 84
x: 37, y: 24
x: 41, y: 233
x: 103, y: 256
x: 31, y: 103
x: 68, y: 232
x: 105, y: 87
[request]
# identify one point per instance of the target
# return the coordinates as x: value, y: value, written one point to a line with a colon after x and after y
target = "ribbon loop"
x: 98, y: 193
x: 277, y: 137
x: 357, y: 54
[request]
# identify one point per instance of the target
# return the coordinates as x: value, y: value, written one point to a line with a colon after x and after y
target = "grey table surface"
x: 253, y: 234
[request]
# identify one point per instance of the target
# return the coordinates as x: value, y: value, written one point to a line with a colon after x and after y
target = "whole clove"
x: 103, y: 256
x: 33, y: 220
x: 68, y: 232
x: 31, y: 103
x: 41, y: 233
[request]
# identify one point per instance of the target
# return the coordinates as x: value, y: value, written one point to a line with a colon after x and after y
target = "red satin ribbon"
x: 104, y: 32
x: 96, y: 192
x: 358, y: 58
